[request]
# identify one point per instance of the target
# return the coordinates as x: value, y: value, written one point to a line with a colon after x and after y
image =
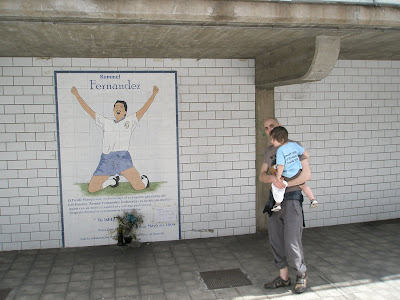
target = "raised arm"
x: 141, y: 112
x: 82, y: 102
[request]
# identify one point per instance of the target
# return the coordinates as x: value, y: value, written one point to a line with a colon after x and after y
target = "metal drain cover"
x: 224, y: 279
x: 4, y: 293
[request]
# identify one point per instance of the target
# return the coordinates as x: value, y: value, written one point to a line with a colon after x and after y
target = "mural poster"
x: 118, y: 151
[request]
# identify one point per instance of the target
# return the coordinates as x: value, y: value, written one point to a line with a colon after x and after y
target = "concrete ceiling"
x: 191, y: 29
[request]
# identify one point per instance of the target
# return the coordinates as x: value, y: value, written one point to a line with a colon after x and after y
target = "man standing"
x: 285, y: 227
x: 115, y: 158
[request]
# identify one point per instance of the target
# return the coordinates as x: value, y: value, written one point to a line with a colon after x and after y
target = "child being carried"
x: 288, y: 165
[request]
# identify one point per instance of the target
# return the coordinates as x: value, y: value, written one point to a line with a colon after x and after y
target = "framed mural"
x: 118, y: 151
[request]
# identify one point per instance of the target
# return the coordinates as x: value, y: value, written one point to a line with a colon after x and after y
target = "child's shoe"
x: 314, y: 204
x: 276, y: 207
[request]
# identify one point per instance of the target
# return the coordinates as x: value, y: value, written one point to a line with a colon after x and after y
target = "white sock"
x: 109, y: 181
x: 145, y: 180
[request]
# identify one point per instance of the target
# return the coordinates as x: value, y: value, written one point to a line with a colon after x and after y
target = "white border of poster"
x: 88, y: 216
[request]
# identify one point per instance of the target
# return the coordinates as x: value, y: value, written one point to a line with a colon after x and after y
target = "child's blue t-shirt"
x: 288, y: 155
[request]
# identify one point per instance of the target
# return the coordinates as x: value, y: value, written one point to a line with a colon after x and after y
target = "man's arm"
x: 141, y: 112
x: 86, y: 107
x: 266, y: 178
x: 306, y: 154
x: 305, y: 174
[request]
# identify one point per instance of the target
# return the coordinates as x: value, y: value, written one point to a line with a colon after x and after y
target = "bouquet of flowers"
x: 128, y: 222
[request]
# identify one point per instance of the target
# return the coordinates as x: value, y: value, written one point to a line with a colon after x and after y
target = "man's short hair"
x: 124, y: 103
x: 280, y: 134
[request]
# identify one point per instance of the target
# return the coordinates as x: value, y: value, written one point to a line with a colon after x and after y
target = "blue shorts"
x: 113, y: 163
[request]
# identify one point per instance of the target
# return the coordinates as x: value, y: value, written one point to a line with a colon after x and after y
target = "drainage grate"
x: 224, y: 279
x: 4, y: 293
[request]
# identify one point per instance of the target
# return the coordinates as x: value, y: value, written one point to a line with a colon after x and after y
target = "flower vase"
x: 127, y: 239
x: 120, y: 238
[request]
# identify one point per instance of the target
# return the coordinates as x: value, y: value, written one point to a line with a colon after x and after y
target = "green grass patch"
x: 124, y: 188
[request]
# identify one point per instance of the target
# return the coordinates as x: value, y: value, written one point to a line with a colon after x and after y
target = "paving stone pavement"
x: 355, y: 261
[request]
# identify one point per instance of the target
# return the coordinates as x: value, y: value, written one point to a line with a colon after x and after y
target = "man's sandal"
x: 301, y: 284
x: 277, y: 283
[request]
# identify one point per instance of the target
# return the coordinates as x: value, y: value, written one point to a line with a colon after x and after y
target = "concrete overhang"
x: 191, y: 29
x: 291, y: 42
x: 305, y: 61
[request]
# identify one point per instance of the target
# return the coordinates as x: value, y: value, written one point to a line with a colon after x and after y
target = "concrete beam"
x: 202, y: 12
x: 238, y: 29
x: 308, y: 60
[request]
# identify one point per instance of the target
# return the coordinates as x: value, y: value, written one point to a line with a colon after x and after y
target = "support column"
x: 306, y: 61
x: 264, y: 108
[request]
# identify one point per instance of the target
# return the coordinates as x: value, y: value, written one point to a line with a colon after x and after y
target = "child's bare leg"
x: 306, y: 189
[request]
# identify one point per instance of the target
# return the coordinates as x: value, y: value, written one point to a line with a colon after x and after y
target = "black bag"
x: 270, y: 203
x: 295, y: 195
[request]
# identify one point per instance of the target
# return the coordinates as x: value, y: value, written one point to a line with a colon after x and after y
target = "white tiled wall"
x: 216, y: 144
x: 350, y: 124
